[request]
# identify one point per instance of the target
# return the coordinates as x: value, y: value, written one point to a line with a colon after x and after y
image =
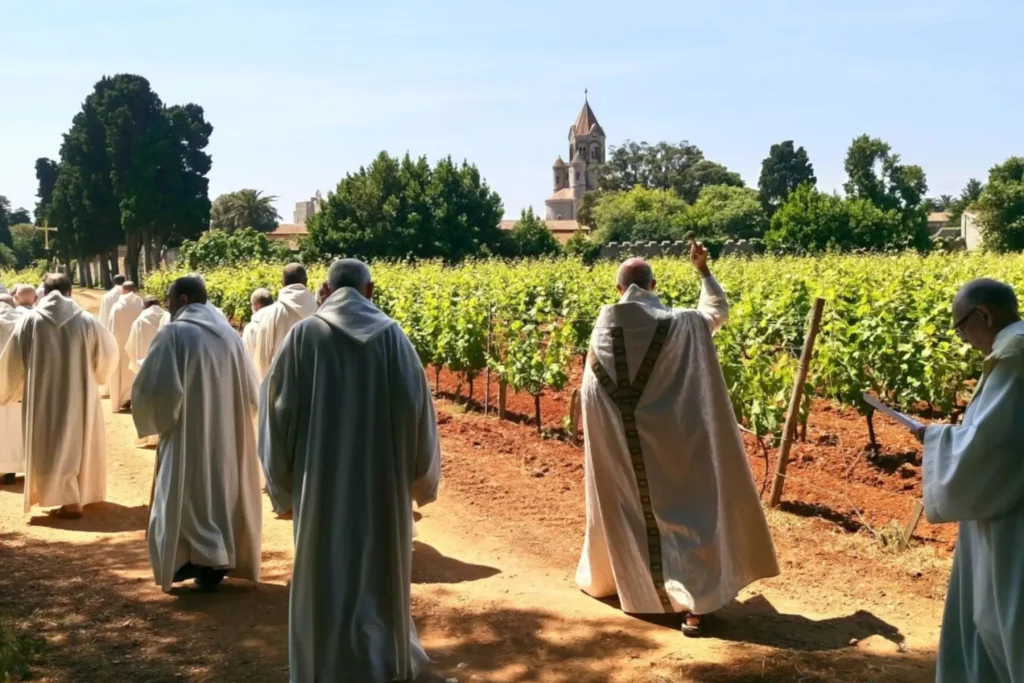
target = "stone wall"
x: 618, y: 251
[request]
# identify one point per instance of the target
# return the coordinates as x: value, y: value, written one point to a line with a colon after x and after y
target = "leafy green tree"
x: 406, y: 209
x: 27, y: 244
x: 785, y: 169
x: 809, y: 221
x: 679, y: 167
x: 639, y: 214
x: 1001, y: 207
x: 876, y: 175
x: 7, y: 258
x: 5, y: 221
x: 46, y: 175
x: 727, y: 212
x: 530, y: 237
x: 244, y: 209
x: 219, y: 248
x: 582, y: 246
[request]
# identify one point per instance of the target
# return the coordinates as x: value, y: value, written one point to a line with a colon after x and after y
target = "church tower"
x: 586, y: 155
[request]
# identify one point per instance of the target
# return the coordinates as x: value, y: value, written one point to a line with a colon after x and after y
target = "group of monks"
x: 325, y: 399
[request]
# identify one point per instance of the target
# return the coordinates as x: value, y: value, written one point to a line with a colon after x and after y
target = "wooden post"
x: 908, y: 530
x: 487, y: 385
x: 574, y: 416
x: 793, y: 414
x: 502, y: 391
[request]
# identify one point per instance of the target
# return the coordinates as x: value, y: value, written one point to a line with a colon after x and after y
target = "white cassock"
x: 12, y: 453
x: 143, y: 332
x: 119, y: 323
x: 106, y: 303
x: 673, y: 518
x: 294, y: 304
x: 197, y: 392
x: 54, y: 363
x: 348, y: 440
x: 974, y: 475
x: 249, y: 333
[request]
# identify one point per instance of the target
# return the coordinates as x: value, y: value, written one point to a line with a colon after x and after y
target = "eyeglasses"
x: 958, y: 326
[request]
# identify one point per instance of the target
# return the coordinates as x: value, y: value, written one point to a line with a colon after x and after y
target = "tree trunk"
x: 115, y: 267
x: 83, y: 271
x: 158, y: 250
x: 437, y: 380
x: 131, y: 258
x: 105, y: 272
x: 148, y: 253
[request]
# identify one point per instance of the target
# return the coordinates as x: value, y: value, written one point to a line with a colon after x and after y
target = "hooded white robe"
x: 106, y: 303
x: 119, y: 323
x: 197, y: 391
x: 677, y: 524
x: 294, y: 304
x: 249, y: 333
x: 12, y: 453
x: 974, y: 475
x: 349, y: 440
x: 54, y: 363
x: 143, y: 332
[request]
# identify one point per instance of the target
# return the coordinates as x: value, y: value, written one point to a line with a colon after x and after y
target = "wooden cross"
x: 46, y: 233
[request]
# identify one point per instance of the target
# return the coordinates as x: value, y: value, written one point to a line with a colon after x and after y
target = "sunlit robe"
x: 122, y: 316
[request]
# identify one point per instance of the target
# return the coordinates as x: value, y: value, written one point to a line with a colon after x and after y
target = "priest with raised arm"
x: 12, y: 454
x: 54, y: 363
x: 674, y: 524
x: 349, y: 441
x: 294, y: 304
x: 974, y: 475
x: 122, y: 316
x: 197, y: 392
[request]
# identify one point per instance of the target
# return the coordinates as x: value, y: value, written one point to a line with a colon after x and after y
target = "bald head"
x: 118, y: 280
x: 150, y: 301
x: 981, y: 309
x: 261, y: 298
x: 24, y: 295
x: 634, y: 271
x: 184, y: 291
x: 129, y: 287
x: 294, y: 274
x: 350, y: 272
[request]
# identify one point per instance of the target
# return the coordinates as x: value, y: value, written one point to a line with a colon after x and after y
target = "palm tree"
x: 945, y: 201
x: 244, y: 209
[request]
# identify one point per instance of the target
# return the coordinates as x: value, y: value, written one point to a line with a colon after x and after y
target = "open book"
x: 908, y: 422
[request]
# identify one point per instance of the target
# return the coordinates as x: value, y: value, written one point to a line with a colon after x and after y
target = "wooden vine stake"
x: 793, y: 414
x: 575, y: 415
x: 487, y: 378
x: 502, y: 393
x: 908, y: 530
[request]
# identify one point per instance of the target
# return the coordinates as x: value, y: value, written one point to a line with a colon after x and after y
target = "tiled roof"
x: 288, y: 230
x: 938, y: 217
x: 562, y: 195
x: 585, y: 121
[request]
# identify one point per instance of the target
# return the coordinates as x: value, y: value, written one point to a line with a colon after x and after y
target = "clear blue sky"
x: 302, y: 92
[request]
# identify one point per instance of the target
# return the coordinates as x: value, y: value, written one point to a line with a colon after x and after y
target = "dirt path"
x: 493, y: 595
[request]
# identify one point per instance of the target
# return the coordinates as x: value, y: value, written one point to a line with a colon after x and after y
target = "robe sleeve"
x: 12, y: 367
x: 976, y: 472
x: 157, y: 392
x: 132, y: 347
x: 278, y: 419
x: 105, y: 354
x: 426, y: 453
x: 263, y: 351
x: 713, y: 305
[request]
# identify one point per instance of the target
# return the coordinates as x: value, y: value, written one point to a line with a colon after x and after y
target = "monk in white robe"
x: 106, y: 304
x: 260, y: 301
x: 54, y: 363
x: 674, y: 523
x: 349, y: 440
x: 119, y: 322
x: 25, y: 296
x: 196, y: 390
x: 144, y: 331
x: 974, y: 475
x: 12, y: 454
x: 294, y: 304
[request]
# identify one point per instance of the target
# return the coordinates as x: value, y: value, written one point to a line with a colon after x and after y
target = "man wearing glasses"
x: 974, y: 475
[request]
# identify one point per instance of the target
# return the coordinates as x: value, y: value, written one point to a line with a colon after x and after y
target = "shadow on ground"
x: 430, y: 566
x: 99, y: 518
x: 103, y: 620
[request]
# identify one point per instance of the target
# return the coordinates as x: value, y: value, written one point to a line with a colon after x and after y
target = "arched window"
x: 558, y: 216
x: 595, y: 153
x: 577, y: 175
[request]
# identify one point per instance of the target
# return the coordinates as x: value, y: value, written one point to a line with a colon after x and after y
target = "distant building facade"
x: 586, y: 156
x: 306, y: 210
x: 970, y: 230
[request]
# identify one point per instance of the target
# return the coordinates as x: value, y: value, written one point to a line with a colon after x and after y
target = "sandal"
x: 692, y: 630
x: 63, y: 513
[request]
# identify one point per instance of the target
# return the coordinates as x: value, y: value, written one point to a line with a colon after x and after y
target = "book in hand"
x: 905, y: 420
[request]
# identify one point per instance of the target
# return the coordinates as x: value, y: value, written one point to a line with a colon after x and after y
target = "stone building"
x: 586, y: 155
x: 306, y: 210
